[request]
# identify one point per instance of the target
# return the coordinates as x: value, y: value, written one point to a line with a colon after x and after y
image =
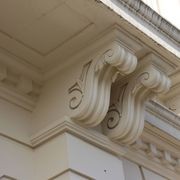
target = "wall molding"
x: 6, y: 177
x: 72, y: 171
x: 163, y: 113
x: 103, y: 142
x: 66, y: 125
x: 156, y: 21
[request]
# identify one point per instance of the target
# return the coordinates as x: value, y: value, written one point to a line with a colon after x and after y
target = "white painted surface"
x: 152, y: 176
x: 131, y: 171
x: 93, y: 161
x: 15, y: 121
x: 16, y: 160
x: 51, y: 158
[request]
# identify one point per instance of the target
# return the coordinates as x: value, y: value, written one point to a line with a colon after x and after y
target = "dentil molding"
x: 157, y: 154
x: 124, y: 121
x: 18, y: 88
x: 90, y: 95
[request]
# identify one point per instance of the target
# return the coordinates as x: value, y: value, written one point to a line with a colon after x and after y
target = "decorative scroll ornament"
x: 90, y: 95
x: 129, y: 104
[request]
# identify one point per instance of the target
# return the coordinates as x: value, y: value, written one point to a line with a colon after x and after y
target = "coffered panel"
x: 31, y: 30
x: 52, y: 29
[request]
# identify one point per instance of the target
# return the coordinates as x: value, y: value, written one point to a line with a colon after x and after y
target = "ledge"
x: 143, y: 152
x: 147, y: 22
x: 154, y: 19
x: 163, y: 118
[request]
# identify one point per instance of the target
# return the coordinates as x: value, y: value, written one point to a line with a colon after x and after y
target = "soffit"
x: 41, y: 32
x: 37, y: 36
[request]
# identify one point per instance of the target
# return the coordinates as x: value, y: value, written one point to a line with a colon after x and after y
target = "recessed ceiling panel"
x: 40, y: 26
x: 51, y: 30
x: 42, y: 32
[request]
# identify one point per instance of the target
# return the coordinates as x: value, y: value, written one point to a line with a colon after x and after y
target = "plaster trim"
x: 66, y: 125
x: 146, y: 13
x: 72, y: 171
x: 90, y: 95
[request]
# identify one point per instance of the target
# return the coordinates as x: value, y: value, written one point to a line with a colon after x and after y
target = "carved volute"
x: 124, y: 121
x: 90, y: 95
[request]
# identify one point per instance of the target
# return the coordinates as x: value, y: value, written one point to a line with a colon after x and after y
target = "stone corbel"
x: 90, y: 95
x: 124, y: 121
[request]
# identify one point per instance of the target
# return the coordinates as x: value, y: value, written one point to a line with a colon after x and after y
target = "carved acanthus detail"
x: 90, y: 95
x: 129, y: 103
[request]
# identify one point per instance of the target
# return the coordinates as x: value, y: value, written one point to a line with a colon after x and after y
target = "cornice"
x: 80, y: 174
x: 142, y: 10
x: 115, y: 33
x: 72, y: 171
x: 5, y: 177
x: 135, y: 6
x: 142, y: 155
x: 66, y: 125
x: 153, y: 150
x: 163, y: 113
